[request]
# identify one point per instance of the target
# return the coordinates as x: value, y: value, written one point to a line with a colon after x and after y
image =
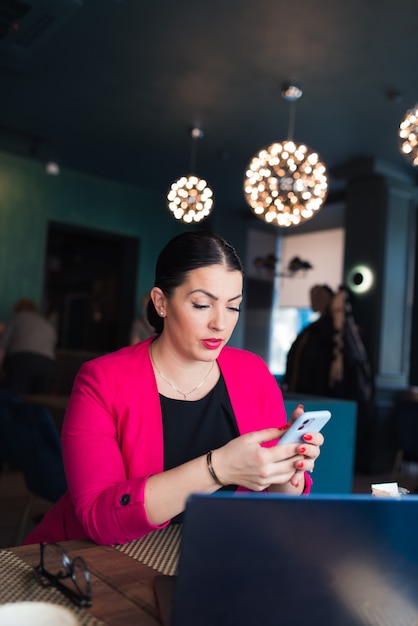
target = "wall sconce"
x: 360, y: 279
x: 295, y: 266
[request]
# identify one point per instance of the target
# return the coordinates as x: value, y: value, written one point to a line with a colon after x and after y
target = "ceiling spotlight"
x: 190, y: 199
x: 285, y: 183
x: 52, y: 168
x: 408, y: 135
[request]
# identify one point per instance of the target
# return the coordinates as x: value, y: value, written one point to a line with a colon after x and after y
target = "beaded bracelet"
x: 211, y: 470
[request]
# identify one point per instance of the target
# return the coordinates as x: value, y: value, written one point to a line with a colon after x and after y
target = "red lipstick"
x: 212, y: 344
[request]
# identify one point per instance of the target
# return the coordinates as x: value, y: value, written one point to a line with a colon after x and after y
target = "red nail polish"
x: 296, y: 485
x: 285, y: 427
x: 300, y: 465
x: 302, y: 450
x: 307, y: 437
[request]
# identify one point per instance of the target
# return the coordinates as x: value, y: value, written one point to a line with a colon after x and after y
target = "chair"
x: 29, y: 442
x: 406, y: 433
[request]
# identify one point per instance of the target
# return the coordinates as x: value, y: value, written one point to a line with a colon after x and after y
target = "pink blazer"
x: 112, y: 440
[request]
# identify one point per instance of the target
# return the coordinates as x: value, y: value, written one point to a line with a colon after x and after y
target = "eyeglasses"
x: 57, y: 567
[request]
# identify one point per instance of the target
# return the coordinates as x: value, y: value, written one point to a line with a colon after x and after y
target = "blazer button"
x: 125, y: 499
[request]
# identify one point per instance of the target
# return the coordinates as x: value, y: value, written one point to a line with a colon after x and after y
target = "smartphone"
x: 308, y: 422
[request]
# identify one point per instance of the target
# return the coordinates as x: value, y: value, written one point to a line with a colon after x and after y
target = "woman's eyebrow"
x: 212, y: 296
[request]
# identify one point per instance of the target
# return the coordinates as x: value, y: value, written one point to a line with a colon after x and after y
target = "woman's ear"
x: 159, y: 300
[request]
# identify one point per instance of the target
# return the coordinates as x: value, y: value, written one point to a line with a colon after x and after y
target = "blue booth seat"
x: 29, y: 442
x: 334, y: 469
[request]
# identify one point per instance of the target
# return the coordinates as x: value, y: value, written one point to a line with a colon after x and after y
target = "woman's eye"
x: 235, y: 309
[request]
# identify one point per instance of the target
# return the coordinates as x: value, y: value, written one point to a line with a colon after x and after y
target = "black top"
x: 193, y: 428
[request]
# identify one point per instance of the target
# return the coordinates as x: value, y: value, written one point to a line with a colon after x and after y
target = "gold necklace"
x: 175, y: 388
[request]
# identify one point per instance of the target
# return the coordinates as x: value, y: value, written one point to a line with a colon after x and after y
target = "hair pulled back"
x: 184, y: 253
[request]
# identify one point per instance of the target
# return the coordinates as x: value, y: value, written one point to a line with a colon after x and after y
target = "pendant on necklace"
x: 175, y: 388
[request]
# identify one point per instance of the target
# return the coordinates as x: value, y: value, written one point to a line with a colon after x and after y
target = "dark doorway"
x: 89, y: 288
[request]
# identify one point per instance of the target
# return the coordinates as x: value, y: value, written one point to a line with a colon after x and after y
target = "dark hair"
x: 328, y: 289
x: 184, y: 253
x: 25, y: 304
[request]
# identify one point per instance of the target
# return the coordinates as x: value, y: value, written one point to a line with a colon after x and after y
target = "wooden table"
x: 122, y: 587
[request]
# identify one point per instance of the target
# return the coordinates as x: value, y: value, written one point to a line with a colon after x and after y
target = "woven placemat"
x: 159, y: 549
x: 20, y: 585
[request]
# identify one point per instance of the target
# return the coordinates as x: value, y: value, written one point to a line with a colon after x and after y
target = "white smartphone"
x: 308, y: 422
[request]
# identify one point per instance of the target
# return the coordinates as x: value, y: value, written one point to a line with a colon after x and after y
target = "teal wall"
x: 29, y: 199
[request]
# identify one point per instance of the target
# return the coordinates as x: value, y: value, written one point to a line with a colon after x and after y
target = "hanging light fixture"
x: 285, y: 183
x: 408, y: 135
x: 190, y: 199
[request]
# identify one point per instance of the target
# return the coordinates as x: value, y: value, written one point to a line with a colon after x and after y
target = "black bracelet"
x: 211, y: 470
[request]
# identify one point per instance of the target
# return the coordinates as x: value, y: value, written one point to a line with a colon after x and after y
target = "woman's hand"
x: 245, y: 461
x: 253, y: 461
x: 311, y: 450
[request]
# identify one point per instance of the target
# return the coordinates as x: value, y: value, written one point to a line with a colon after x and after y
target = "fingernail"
x: 296, y: 485
x: 302, y: 450
x: 307, y: 437
x: 300, y: 465
x: 285, y: 427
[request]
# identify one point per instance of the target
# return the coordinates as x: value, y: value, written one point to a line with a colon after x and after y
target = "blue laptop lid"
x: 268, y: 560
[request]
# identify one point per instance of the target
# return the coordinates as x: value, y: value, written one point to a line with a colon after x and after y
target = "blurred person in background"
x: 310, y: 356
x: 141, y: 328
x: 27, y: 350
x: 328, y: 358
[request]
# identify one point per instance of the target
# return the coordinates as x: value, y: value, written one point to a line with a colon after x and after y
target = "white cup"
x: 36, y: 614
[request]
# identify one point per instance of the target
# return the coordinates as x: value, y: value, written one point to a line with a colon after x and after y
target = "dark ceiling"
x: 112, y: 87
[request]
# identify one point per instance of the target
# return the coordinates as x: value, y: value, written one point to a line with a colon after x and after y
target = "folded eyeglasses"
x: 70, y: 576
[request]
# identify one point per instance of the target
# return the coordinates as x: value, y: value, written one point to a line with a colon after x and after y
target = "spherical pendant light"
x: 285, y: 183
x: 408, y: 135
x: 190, y: 199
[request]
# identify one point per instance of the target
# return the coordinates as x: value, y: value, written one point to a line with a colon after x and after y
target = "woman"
x: 177, y: 414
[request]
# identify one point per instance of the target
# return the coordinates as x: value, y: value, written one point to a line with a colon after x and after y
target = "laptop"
x: 269, y: 560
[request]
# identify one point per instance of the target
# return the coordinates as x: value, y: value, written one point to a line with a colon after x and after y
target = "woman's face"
x: 201, y: 313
